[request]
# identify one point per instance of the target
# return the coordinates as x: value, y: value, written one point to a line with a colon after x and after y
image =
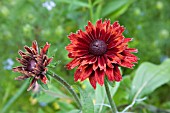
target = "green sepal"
x: 48, y: 76
x: 53, y: 65
x: 45, y: 86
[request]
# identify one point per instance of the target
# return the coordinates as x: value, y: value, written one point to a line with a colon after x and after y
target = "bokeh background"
x: 22, y: 21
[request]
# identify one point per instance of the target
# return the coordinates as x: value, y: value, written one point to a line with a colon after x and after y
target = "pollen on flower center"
x: 31, y: 65
x: 98, y: 47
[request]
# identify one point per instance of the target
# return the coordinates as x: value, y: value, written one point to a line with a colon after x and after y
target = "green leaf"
x: 113, y: 6
x: 51, y: 95
x: 87, y: 104
x: 67, y: 107
x: 100, y: 96
x: 148, y: 77
x: 75, y: 111
x: 120, y: 11
x: 123, y: 91
x: 45, y: 86
x: 45, y: 98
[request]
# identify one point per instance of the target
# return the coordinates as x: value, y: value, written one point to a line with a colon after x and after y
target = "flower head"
x: 99, y: 51
x: 33, y: 64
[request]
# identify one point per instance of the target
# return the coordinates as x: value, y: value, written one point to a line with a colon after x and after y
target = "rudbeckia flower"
x: 34, y: 64
x: 99, y: 51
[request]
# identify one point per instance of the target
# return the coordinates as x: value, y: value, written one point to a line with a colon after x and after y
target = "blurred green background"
x: 22, y: 21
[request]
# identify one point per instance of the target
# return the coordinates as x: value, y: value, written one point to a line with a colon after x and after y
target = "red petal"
x: 21, y: 53
x: 127, y: 64
x: 93, y: 60
x: 32, y: 84
x: 126, y: 40
x: 27, y: 57
x: 104, y: 29
x: 20, y: 69
x: 95, y: 66
x: 99, y: 74
x: 134, y: 50
x: 90, y: 29
x: 75, y: 62
x: 76, y: 48
x: 73, y: 37
x: 131, y: 59
x: 22, y: 61
x: 70, y: 55
x: 81, y: 44
x: 109, y: 73
x: 84, y: 36
x: 86, y: 72
x: 77, y: 75
x: 117, y: 74
x: 23, y: 77
x: 121, y: 30
x: 108, y: 62
x: 44, y: 50
x: 44, y: 79
x: 98, y: 28
x: 80, y: 53
x: 102, y: 34
x: 115, y: 50
x: 107, y: 36
x: 114, y: 59
x: 28, y: 49
x: 89, y: 60
x: 76, y: 39
x: 107, y: 24
x: 115, y: 42
x: 92, y: 80
x: 48, y: 61
x: 35, y: 46
x: 116, y: 24
x: 101, y: 63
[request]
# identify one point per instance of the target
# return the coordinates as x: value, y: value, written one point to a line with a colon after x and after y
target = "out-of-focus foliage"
x: 148, y: 23
x: 22, y: 21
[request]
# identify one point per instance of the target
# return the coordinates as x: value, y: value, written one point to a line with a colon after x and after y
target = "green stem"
x: 67, y: 86
x: 91, y: 10
x: 112, y: 104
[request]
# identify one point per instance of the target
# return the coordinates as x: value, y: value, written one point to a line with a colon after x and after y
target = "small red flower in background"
x: 98, y: 51
x: 33, y: 64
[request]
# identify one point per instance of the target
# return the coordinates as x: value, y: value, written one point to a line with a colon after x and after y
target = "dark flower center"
x: 31, y: 65
x: 98, y: 47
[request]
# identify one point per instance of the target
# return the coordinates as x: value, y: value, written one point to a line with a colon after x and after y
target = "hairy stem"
x: 112, y: 104
x: 67, y: 86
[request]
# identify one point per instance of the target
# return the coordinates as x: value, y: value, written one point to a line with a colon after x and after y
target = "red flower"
x: 33, y: 64
x: 98, y: 51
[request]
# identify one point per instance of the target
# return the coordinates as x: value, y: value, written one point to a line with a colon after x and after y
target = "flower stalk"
x: 112, y: 104
x: 67, y: 86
